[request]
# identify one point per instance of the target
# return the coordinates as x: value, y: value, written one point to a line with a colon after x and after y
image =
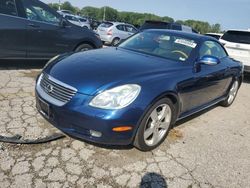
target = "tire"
x: 115, y: 41
x: 149, y: 127
x: 231, y: 94
x: 83, y: 47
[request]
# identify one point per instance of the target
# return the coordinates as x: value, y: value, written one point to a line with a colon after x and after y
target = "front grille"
x: 56, y: 89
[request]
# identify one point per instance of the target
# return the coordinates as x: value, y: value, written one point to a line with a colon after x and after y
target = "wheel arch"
x: 85, y: 42
x: 168, y: 94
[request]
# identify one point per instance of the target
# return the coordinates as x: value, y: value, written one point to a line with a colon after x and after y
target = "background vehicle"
x: 143, y: 87
x: 113, y: 32
x: 237, y: 44
x: 150, y: 24
x: 215, y: 35
x: 73, y: 19
x: 31, y: 29
x: 64, y: 12
x: 94, y: 24
x: 84, y: 21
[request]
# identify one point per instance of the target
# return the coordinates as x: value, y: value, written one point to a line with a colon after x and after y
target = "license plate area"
x: 44, y: 108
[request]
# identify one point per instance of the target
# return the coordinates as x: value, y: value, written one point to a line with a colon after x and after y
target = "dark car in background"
x: 31, y: 29
x: 151, y: 24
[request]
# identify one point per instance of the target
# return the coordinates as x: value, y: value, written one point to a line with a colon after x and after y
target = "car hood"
x: 95, y: 70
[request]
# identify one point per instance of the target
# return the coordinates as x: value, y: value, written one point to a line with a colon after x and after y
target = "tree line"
x: 134, y: 18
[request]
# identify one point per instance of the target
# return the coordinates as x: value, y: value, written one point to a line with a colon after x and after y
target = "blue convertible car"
x: 134, y: 93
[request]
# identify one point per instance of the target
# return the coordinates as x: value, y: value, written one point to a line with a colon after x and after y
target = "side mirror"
x: 209, y: 60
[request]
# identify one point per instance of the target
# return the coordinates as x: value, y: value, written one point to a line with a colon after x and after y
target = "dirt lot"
x: 211, y: 149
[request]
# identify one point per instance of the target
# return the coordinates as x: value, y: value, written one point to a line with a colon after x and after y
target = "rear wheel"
x: 115, y: 41
x: 232, y: 94
x: 83, y: 47
x: 155, y: 125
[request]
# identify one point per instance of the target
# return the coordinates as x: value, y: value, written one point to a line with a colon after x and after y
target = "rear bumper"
x: 106, y: 38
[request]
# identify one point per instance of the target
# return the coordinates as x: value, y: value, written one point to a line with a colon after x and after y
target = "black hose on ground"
x: 17, y: 139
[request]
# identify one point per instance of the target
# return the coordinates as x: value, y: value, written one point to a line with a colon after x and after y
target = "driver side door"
x: 45, y: 35
x: 209, y: 82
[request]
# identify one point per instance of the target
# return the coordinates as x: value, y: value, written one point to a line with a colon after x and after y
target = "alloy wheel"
x: 157, y: 124
x: 233, y: 92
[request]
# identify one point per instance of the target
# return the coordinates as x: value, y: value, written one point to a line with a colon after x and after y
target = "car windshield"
x: 106, y: 24
x: 161, y: 44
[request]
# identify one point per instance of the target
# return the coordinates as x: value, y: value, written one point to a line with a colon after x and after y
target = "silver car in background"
x: 84, y: 21
x: 77, y: 20
x: 113, y: 32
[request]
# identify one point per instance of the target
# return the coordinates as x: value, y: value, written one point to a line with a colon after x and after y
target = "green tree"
x: 54, y: 6
x: 110, y: 13
x: 67, y: 6
x: 134, y: 17
x: 91, y: 12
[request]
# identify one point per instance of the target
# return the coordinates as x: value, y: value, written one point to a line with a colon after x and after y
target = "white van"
x: 237, y: 44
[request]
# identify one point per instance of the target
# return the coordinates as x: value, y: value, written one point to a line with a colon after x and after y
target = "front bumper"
x: 77, y: 118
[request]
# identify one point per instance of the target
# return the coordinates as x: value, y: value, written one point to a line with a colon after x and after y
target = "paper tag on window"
x: 186, y: 42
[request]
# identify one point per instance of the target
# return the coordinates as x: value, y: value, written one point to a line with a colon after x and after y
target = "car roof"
x: 195, y: 36
x: 219, y: 34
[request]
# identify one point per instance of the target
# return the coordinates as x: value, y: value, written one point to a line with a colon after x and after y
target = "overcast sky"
x: 231, y: 14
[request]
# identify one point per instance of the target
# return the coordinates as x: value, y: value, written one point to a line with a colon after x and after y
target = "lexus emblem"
x: 49, y: 88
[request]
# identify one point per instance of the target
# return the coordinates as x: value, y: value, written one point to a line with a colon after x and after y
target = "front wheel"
x: 155, y: 125
x: 83, y: 47
x: 232, y: 94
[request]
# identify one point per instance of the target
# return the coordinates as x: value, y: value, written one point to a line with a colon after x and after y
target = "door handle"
x: 33, y: 25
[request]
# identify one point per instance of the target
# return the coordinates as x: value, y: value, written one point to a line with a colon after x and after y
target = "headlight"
x: 116, y: 98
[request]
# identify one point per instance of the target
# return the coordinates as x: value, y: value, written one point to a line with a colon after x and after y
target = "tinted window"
x: 162, y: 44
x: 120, y: 27
x: 34, y: 11
x: 8, y: 7
x: 71, y: 18
x: 212, y: 48
x: 106, y: 24
x: 155, y: 25
x: 83, y: 19
x: 176, y: 27
x: 237, y: 37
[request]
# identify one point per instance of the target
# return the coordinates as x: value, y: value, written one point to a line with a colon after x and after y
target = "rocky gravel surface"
x: 211, y: 149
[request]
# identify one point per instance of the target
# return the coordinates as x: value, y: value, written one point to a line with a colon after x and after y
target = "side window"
x: 130, y: 29
x: 8, y: 7
x: 120, y: 27
x: 34, y: 11
x: 212, y: 48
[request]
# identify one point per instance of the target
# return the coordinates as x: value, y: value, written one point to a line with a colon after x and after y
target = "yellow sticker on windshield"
x: 186, y: 42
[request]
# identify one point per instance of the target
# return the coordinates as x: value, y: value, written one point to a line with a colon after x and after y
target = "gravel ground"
x: 211, y: 149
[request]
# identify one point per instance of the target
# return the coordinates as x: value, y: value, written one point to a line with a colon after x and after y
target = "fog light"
x: 95, y: 133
